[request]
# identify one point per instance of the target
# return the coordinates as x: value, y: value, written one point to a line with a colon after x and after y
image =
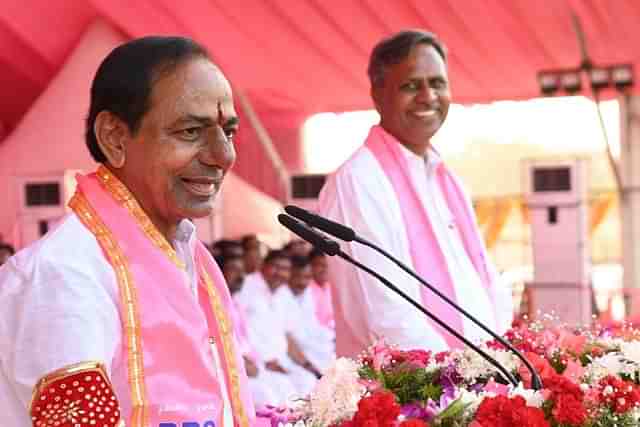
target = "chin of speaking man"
x: 119, y: 315
x: 396, y: 191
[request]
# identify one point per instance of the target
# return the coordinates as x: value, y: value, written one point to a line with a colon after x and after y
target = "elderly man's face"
x: 414, y: 99
x: 176, y: 162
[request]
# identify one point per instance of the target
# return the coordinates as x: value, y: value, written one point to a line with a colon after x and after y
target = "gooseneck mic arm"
x: 347, y: 234
x: 329, y: 246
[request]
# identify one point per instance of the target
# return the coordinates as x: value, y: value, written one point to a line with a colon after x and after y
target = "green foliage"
x: 556, y: 362
x: 410, y: 384
x: 609, y: 419
x: 453, y: 416
x: 368, y: 373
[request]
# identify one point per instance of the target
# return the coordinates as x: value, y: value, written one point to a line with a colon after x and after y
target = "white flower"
x: 631, y: 351
x: 299, y: 423
x: 336, y: 395
x: 433, y: 366
x: 470, y: 398
x: 609, y: 343
x: 609, y: 364
x: 471, y: 365
x: 534, y: 398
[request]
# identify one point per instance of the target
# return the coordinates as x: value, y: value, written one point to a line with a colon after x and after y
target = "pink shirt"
x: 323, y: 304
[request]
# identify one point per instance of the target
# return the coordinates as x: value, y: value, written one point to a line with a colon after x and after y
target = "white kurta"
x: 361, y: 196
x: 316, y: 341
x: 267, y: 330
x: 59, y: 306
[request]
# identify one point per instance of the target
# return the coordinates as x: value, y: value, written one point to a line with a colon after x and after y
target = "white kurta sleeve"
x: 502, y: 291
x: 361, y: 197
x: 54, y: 314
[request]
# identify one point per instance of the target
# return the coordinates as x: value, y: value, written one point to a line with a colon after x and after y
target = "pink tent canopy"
x: 295, y: 58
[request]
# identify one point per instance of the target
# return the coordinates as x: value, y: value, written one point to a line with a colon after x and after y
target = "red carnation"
x: 418, y: 358
x: 413, y: 422
x: 619, y: 395
x: 559, y: 385
x: 378, y: 410
x: 568, y: 410
x: 501, y: 411
x: 567, y: 398
x: 442, y: 356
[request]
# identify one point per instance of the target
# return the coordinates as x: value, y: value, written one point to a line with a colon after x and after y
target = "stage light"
x: 600, y: 78
x: 622, y: 76
x: 571, y: 81
x: 549, y: 82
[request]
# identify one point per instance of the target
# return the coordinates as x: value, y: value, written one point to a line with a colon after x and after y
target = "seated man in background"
x: 321, y: 288
x: 295, y: 301
x: 226, y: 247
x: 252, y: 253
x: 267, y: 326
x: 268, y: 385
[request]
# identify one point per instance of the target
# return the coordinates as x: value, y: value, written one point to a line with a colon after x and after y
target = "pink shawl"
x: 167, y: 334
x: 426, y: 255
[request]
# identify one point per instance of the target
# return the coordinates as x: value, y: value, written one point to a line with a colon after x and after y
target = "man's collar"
x: 126, y: 199
x: 432, y: 158
x: 185, y: 231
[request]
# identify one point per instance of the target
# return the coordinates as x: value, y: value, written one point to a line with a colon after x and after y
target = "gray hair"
x: 395, y: 49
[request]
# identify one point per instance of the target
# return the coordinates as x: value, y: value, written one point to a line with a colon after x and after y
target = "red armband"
x: 80, y: 395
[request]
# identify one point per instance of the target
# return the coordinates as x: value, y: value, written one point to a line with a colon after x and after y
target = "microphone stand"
x: 448, y: 328
x: 536, y: 381
x: 330, y: 247
x: 348, y: 234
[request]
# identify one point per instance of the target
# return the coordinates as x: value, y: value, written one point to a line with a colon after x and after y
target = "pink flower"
x: 497, y: 388
x: 381, y: 354
x: 573, y: 371
x: 568, y: 341
x: 540, y: 364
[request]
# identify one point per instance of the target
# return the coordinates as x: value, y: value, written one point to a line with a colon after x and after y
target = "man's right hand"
x: 250, y: 367
x: 274, y: 365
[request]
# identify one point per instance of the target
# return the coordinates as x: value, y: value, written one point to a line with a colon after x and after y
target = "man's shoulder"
x: 360, y: 177
x: 361, y: 161
x: 69, y: 248
x: 68, y: 241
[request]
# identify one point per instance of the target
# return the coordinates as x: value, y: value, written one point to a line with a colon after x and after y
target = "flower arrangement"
x: 591, y: 379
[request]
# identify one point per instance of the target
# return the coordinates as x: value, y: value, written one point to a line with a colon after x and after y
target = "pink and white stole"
x: 322, y: 304
x: 168, y: 336
x: 426, y: 255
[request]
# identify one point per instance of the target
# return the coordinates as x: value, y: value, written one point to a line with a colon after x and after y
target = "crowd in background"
x: 284, y: 312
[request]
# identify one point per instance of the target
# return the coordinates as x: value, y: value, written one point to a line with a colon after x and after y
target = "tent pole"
x: 630, y: 200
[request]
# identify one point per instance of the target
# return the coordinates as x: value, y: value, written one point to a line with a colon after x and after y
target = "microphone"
x: 328, y: 246
x: 340, y: 231
x: 348, y: 234
x: 331, y: 248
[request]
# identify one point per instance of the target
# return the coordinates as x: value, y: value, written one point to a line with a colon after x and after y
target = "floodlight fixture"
x: 622, y: 76
x: 549, y: 82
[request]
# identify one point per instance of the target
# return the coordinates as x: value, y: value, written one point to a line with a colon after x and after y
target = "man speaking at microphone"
x: 396, y: 192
